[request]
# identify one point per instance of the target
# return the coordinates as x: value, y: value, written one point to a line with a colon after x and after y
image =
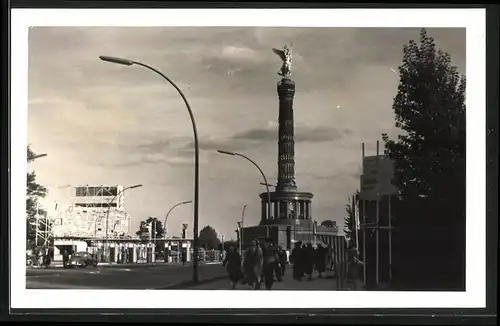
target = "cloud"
x: 155, y: 146
x: 302, y: 134
x: 235, y: 53
x: 212, y: 145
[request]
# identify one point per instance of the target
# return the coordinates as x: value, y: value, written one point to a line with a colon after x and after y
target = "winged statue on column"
x: 286, y: 57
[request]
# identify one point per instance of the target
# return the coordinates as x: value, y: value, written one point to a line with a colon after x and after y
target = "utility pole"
x: 240, y: 239
x: 223, y: 255
x: 154, y: 240
x: 241, y: 227
x: 36, y: 225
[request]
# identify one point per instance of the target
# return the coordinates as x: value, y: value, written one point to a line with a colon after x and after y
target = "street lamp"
x: 107, y: 216
x: 168, y: 213
x: 38, y: 156
x: 128, y: 62
x: 263, y: 184
x: 261, y: 172
x: 241, y: 225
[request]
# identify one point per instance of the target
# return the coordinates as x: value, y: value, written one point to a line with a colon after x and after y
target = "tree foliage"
x: 429, y: 163
x: 156, y: 226
x: 229, y: 243
x: 208, y: 238
x: 329, y: 223
x: 34, y: 192
x: 349, y: 223
x: 350, y: 219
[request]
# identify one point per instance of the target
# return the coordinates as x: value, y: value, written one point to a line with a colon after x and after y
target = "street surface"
x: 316, y: 284
x: 159, y: 276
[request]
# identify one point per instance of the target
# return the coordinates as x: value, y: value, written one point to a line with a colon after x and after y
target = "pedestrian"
x: 65, y: 259
x: 232, y: 262
x: 355, y: 269
x: 320, y: 260
x: 282, y: 260
x: 341, y: 272
x: 39, y: 257
x: 252, y: 265
x: 47, y: 258
x: 308, y: 260
x: 123, y: 256
x: 330, y: 264
x: 183, y: 257
x: 271, y: 270
x: 296, y: 261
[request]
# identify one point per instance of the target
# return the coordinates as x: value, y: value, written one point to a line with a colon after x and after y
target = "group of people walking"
x: 305, y: 259
x: 262, y: 263
x: 265, y: 263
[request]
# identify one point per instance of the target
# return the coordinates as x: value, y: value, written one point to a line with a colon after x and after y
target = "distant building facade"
x: 86, y: 210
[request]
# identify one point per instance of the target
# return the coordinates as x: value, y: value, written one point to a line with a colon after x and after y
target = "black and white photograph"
x: 248, y: 161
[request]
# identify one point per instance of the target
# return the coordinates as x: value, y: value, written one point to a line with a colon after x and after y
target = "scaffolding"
x: 43, y: 229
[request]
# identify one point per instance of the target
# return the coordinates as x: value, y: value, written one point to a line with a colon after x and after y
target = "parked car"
x: 82, y: 259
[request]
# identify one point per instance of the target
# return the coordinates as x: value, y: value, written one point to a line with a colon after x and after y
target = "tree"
x: 229, y: 243
x: 34, y: 192
x: 429, y: 161
x: 156, y: 227
x: 329, y: 224
x: 348, y: 223
x: 350, y: 219
x: 208, y: 238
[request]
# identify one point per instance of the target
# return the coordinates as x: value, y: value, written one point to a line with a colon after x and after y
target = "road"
x: 316, y: 284
x: 161, y: 276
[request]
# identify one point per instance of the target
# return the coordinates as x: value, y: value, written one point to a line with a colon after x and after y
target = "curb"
x: 189, y: 284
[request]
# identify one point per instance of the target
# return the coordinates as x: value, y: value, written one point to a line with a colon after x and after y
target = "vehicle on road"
x: 81, y: 259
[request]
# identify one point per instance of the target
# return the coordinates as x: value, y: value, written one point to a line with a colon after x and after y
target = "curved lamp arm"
x: 170, y: 210
x: 113, y: 199
x: 261, y: 172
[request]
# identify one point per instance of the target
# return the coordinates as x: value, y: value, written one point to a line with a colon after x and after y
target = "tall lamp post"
x: 128, y: 62
x: 168, y: 213
x: 242, y: 225
x: 261, y: 172
x: 107, y: 217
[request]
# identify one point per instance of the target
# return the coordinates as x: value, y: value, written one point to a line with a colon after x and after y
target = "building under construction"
x: 89, y: 212
x: 92, y: 211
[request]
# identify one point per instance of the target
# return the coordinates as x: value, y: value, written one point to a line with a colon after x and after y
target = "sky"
x: 102, y: 123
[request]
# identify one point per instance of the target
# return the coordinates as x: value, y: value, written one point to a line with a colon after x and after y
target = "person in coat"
x: 320, y: 261
x: 355, y: 269
x: 296, y: 261
x: 232, y: 262
x: 65, y: 259
x: 252, y: 265
x: 282, y: 260
x: 309, y: 256
x: 270, y: 268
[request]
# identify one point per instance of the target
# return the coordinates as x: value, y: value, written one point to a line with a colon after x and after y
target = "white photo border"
x: 474, y: 20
